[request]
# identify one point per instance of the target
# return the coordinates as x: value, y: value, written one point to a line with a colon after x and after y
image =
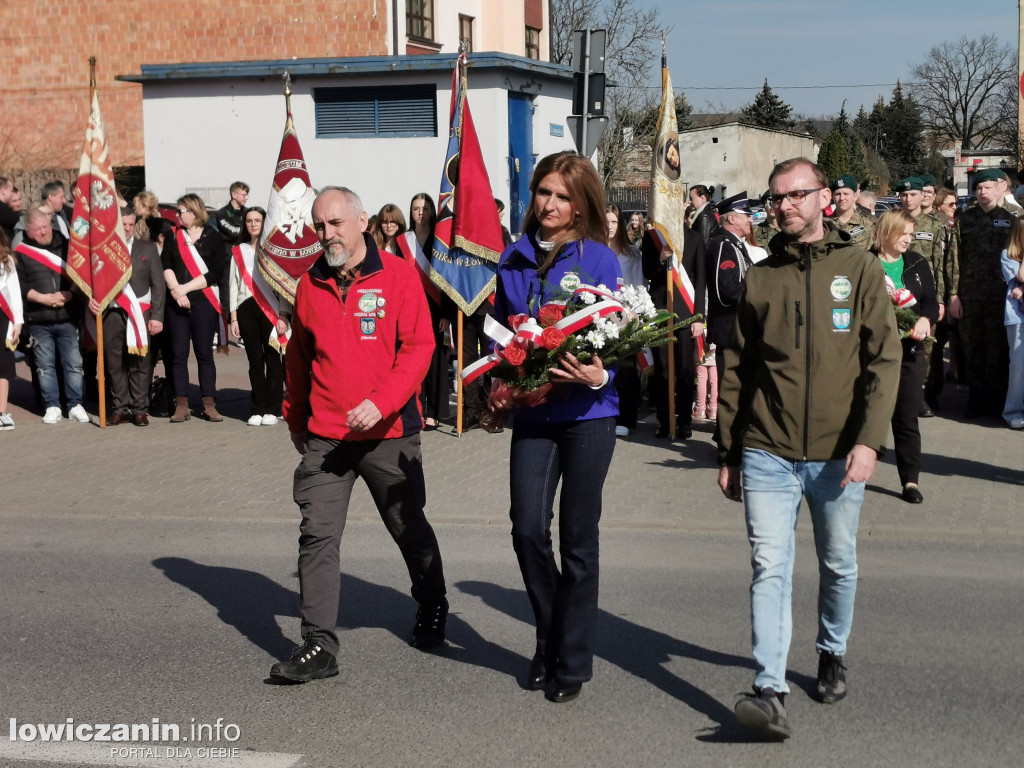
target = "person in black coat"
x: 908, y: 271
x: 656, y: 261
x: 705, y: 220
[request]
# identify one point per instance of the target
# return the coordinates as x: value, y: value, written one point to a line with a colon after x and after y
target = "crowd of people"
x: 824, y: 328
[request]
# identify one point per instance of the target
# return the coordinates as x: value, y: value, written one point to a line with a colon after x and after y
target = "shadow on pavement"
x: 251, y: 602
x: 643, y: 652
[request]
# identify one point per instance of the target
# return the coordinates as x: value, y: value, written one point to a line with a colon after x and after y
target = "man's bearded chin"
x: 336, y: 254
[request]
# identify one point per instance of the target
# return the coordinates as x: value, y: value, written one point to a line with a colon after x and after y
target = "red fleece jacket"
x: 376, y: 345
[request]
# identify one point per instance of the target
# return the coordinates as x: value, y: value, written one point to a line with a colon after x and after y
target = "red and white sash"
x: 135, y: 307
x: 409, y: 248
x: 196, y: 266
x: 245, y: 259
x: 680, y: 279
x: 7, y: 307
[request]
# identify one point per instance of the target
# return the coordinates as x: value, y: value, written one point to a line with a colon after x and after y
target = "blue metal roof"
x: 366, y: 65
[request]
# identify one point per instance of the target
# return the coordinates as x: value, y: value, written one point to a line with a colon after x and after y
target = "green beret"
x: 989, y: 174
x: 927, y: 179
x: 844, y: 182
x: 909, y: 183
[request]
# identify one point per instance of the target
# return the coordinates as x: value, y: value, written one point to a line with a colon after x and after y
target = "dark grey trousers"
x: 128, y: 375
x: 393, y: 471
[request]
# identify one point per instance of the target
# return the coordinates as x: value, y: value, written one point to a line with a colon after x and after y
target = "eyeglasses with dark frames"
x: 795, y: 197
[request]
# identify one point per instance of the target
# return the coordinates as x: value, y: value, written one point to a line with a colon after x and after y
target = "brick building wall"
x: 47, y: 44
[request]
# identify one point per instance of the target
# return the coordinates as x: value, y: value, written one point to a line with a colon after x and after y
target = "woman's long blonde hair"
x: 1015, y: 250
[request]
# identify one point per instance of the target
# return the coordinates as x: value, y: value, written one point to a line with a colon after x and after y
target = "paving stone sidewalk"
x: 974, y: 473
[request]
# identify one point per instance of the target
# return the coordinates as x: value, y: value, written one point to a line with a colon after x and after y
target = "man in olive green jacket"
x: 811, y: 373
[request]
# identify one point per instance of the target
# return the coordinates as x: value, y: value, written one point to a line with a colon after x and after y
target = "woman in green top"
x: 908, y: 271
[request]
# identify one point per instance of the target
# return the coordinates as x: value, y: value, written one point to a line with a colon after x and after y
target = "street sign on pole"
x: 595, y: 130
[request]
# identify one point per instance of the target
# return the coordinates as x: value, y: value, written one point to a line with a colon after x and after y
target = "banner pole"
x: 670, y: 302
x: 458, y: 375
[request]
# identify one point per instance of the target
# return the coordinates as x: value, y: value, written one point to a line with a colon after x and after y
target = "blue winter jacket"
x: 521, y: 290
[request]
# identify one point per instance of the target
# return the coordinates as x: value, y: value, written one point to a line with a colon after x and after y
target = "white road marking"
x: 143, y: 756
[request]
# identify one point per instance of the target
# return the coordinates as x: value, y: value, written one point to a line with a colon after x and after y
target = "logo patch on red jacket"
x: 727, y: 264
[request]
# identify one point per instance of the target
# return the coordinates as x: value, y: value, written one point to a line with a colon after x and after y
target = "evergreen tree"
x: 768, y: 110
x: 833, y: 157
x: 903, y: 131
x: 842, y: 126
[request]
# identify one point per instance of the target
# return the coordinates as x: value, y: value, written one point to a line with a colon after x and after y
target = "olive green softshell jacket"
x: 813, y: 363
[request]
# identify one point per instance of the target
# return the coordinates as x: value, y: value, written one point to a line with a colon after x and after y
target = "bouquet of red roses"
x: 592, y: 321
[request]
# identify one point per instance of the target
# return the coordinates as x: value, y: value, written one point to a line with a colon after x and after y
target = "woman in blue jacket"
x: 570, y: 436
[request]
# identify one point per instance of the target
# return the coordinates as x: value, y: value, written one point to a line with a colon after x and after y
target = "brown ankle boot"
x: 210, y: 410
x: 181, y: 412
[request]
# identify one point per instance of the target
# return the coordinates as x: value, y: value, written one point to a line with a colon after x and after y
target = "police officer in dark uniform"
x: 727, y: 264
x: 977, y: 293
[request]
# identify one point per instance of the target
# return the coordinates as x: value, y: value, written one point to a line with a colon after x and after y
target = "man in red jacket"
x: 360, y: 348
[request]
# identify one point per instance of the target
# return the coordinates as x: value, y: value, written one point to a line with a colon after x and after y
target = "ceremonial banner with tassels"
x: 467, y: 237
x: 98, y: 259
x: 290, y: 245
x: 666, y: 199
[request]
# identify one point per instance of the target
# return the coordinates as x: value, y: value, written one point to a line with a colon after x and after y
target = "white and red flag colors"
x: 467, y: 237
x: 290, y: 245
x: 98, y: 260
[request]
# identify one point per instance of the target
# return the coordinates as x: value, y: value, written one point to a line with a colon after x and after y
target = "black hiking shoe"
x: 831, y: 685
x: 308, y: 662
x: 430, y: 623
x: 764, y: 713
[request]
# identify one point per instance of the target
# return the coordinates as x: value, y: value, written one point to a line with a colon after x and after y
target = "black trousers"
x: 475, y: 344
x: 196, y: 326
x: 393, y: 471
x: 564, y: 601
x: 627, y: 385
x: 127, y: 375
x: 266, y: 373
x: 685, y: 385
x: 906, y: 432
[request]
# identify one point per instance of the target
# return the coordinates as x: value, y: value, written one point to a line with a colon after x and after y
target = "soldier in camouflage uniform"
x: 766, y: 230
x: 928, y: 183
x: 847, y: 217
x: 977, y: 293
x: 929, y: 240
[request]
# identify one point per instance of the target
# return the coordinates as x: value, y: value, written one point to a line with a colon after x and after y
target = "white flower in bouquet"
x: 588, y: 298
x: 595, y: 338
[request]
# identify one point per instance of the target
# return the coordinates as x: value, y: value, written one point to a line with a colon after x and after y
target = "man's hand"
x: 154, y: 327
x: 299, y: 441
x: 942, y: 311
x: 729, y: 482
x: 697, y: 330
x: 94, y: 306
x: 860, y: 465
x: 363, y: 417
x: 956, y: 310
x: 282, y: 326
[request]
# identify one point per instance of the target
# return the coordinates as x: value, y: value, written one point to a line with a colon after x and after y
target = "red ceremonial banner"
x: 290, y: 245
x: 98, y: 258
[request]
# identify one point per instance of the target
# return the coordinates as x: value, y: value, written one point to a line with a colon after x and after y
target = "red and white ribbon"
x: 266, y: 299
x: 196, y: 266
x: 410, y: 250
x: 527, y: 331
x: 7, y: 306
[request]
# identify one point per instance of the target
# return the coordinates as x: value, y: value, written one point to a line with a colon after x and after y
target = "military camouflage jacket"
x: 972, y: 263
x: 930, y: 242
x: 860, y: 228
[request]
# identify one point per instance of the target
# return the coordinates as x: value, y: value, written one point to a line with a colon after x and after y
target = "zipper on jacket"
x: 799, y: 324
x: 807, y: 369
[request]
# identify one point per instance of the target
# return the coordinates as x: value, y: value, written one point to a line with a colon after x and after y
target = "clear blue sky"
x: 738, y: 43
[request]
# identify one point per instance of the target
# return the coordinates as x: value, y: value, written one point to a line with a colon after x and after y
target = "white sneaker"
x: 255, y: 420
x: 52, y: 415
x: 622, y: 431
x: 1014, y: 423
x: 6, y: 421
x: 269, y: 420
x: 78, y: 414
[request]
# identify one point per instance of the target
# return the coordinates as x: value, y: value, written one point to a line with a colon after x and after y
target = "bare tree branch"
x: 958, y: 90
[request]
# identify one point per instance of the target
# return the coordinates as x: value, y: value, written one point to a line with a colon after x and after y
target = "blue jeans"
x: 1014, y: 407
x: 773, y: 489
x: 564, y: 603
x: 52, y: 338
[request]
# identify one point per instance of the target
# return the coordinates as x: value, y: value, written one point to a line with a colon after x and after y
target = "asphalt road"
x: 123, y: 621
